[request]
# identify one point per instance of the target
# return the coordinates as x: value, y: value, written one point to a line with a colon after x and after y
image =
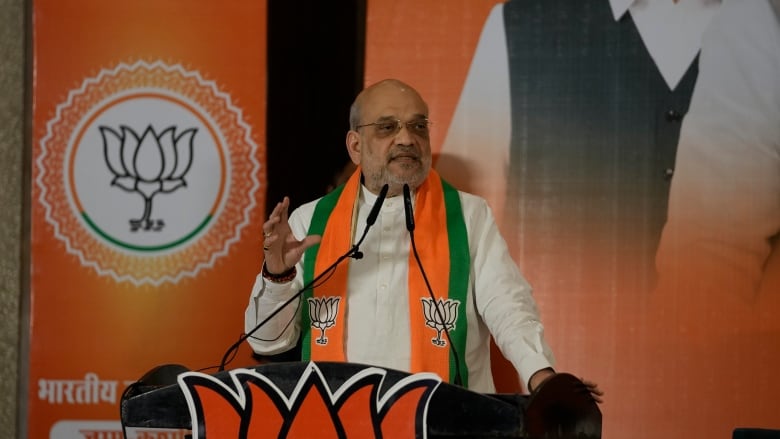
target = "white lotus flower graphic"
x: 322, y: 313
x: 149, y: 164
x: 441, y: 319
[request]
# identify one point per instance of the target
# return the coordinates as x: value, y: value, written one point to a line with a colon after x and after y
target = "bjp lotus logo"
x: 440, y: 316
x: 255, y: 407
x: 159, y: 147
x: 148, y: 164
x: 322, y: 313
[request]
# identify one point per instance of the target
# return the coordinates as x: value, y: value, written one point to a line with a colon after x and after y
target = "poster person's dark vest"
x: 594, y: 135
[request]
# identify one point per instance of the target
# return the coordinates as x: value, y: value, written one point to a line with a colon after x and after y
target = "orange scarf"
x: 444, y: 254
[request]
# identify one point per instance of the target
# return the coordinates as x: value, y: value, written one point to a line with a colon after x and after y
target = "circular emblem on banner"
x: 148, y: 173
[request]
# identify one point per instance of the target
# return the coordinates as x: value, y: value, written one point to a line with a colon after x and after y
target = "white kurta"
x: 377, y: 333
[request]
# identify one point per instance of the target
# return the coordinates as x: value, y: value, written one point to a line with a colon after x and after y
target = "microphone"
x: 377, y: 206
x: 408, y: 209
x: 353, y: 252
x: 410, y: 227
x: 372, y: 216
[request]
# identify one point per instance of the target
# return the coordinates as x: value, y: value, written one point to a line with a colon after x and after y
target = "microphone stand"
x: 410, y: 228
x: 352, y: 252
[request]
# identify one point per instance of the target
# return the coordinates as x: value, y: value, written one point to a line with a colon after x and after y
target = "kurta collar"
x: 671, y: 31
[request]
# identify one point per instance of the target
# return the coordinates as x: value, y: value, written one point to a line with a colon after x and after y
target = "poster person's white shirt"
x: 724, y: 202
x: 475, y: 152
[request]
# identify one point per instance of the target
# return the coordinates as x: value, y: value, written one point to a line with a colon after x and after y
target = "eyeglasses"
x: 391, y: 127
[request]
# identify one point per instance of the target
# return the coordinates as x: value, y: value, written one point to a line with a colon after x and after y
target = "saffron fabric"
x: 445, y: 254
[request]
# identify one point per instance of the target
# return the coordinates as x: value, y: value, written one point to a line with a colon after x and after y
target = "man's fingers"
x: 310, y: 241
x: 277, y: 214
x: 284, y: 206
x: 594, y: 390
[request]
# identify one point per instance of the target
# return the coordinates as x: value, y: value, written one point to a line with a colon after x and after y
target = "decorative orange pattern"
x: 312, y: 410
x: 56, y: 172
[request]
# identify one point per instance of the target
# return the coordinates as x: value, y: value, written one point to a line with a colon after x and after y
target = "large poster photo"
x: 629, y: 151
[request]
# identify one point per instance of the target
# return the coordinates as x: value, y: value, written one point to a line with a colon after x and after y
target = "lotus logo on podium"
x: 255, y: 407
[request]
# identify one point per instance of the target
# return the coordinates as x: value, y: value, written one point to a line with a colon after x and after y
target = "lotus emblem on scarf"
x: 322, y: 313
x: 441, y: 319
x: 149, y: 164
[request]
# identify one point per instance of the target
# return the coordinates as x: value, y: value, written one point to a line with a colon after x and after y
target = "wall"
x: 12, y: 169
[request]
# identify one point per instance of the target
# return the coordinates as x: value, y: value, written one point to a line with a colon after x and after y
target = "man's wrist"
x: 279, y: 278
x: 539, y: 377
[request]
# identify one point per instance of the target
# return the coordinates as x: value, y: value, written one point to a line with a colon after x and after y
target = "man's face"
x: 389, y: 152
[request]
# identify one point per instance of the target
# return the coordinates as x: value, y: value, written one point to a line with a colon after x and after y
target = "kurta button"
x: 668, y: 173
x: 673, y: 116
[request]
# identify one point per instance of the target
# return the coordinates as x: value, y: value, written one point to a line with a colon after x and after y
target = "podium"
x: 346, y: 400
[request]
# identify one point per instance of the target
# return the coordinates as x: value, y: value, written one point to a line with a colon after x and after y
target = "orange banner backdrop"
x: 148, y: 195
x: 673, y: 363
x: 429, y: 44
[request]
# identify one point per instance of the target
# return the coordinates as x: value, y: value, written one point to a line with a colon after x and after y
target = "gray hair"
x: 354, y: 115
